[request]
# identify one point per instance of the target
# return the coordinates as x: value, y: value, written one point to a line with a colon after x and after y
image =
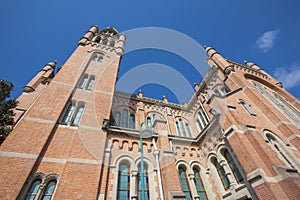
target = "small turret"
x: 44, y: 76
x: 88, y: 36
x: 218, y: 59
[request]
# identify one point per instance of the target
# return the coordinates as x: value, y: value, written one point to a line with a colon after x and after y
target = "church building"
x: 76, y: 137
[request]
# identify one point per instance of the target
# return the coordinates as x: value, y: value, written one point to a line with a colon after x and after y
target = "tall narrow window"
x: 177, y: 128
x: 49, y: 190
x: 31, y: 194
x: 188, y: 129
x: 68, y: 113
x: 246, y: 107
x: 222, y: 174
x: 199, y: 185
x: 233, y: 166
x: 125, y: 118
x: 83, y: 81
x: 199, y: 124
x: 182, y: 127
x: 78, y: 115
x: 184, y: 183
x: 97, y: 57
x: 100, y: 59
x: 124, y: 183
x: 117, y: 119
x: 202, y: 120
x: 224, y: 90
x: 273, y: 141
x: 149, y: 122
x: 90, y: 83
x: 217, y: 92
x: 132, y: 121
x: 146, y: 184
x: 205, y: 116
x: 73, y: 113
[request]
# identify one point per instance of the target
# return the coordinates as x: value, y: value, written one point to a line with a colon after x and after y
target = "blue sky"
x: 34, y: 33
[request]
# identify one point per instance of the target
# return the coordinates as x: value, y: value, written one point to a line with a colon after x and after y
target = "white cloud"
x: 290, y: 77
x: 266, y: 41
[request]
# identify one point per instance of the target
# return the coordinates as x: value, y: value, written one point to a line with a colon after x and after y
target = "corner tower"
x: 58, y: 138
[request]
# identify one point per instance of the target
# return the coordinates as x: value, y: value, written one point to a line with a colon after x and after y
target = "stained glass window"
x: 78, y: 115
x: 49, y: 190
x: 124, y: 182
x: 33, y: 190
x: 199, y: 185
x: 233, y: 166
x: 222, y: 174
x: 184, y: 184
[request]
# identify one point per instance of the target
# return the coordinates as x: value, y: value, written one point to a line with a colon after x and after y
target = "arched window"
x: 221, y: 173
x: 73, y: 114
x: 184, y: 183
x: 188, y: 129
x: 289, y: 111
x: 83, y: 81
x: 177, y: 128
x: 117, y: 119
x: 202, y: 120
x: 199, y: 184
x: 146, y: 183
x: 182, y: 128
x: 49, y: 190
x: 246, y: 107
x: 86, y: 82
x: 68, y: 113
x: 273, y: 141
x: 149, y: 124
x: 97, y: 57
x: 132, y: 121
x: 125, y: 118
x: 78, y: 115
x: 123, y: 182
x: 33, y: 190
x: 220, y: 90
x: 199, y: 124
x: 233, y: 166
x: 90, y: 83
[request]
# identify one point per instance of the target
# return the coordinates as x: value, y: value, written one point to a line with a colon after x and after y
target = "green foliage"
x: 6, y: 109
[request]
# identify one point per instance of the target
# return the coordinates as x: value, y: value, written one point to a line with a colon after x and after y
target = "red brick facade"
x: 239, y: 133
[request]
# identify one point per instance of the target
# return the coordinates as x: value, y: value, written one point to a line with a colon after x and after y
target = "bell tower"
x: 59, y: 138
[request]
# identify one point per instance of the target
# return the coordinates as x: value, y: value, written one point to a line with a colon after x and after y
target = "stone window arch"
x: 201, y: 119
x: 220, y: 90
x: 40, y: 186
x: 86, y: 82
x: 282, y: 150
x: 246, y: 106
x: 183, y: 127
x: 199, y: 182
x: 73, y: 113
x: 152, y: 116
x: 97, y: 57
x: 126, y: 182
x: 183, y: 178
x: 230, y: 162
x: 124, y: 117
x: 289, y: 111
x: 219, y: 174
